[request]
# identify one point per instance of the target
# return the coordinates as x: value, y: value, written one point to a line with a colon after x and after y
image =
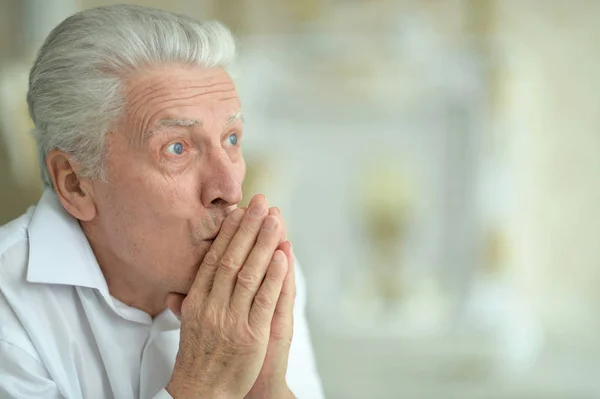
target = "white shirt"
x: 62, y: 335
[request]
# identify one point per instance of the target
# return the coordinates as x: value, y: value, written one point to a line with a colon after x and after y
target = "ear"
x: 74, y: 192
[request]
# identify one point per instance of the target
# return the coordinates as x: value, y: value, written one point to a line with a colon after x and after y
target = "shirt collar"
x: 59, y: 252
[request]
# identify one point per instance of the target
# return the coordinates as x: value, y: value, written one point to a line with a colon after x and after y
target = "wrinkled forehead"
x: 189, y: 94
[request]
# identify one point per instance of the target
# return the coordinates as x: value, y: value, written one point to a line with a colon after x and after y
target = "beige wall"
x: 546, y: 116
x: 549, y: 114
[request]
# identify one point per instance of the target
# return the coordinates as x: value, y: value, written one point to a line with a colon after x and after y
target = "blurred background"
x: 438, y: 164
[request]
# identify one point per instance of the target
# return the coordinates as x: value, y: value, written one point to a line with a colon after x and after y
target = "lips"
x: 218, y: 222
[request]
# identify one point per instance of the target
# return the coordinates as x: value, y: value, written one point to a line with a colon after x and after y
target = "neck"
x: 126, y: 282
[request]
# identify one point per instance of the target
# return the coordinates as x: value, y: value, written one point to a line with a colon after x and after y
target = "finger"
x: 282, y: 324
x: 283, y: 318
x: 253, y: 272
x: 266, y: 298
x: 275, y: 211
x: 210, y: 263
x: 174, y: 303
x: 238, y: 250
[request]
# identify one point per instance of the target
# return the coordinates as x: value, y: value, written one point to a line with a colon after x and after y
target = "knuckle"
x: 263, y: 302
x: 282, y: 336
x: 228, y: 263
x: 248, y: 280
x: 283, y: 313
x: 247, y: 229
x: 210, y: 315
x: 211, y: 258
x: 282, y: 331
x: 227, y: 231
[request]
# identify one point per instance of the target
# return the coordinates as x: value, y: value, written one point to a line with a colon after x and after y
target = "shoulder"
x: 14, y: 255
x: 14, y: 250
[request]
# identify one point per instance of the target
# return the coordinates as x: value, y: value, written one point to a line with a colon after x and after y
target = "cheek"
x: 176, y: 196
x: 140, y: 199
x: 137, y: 179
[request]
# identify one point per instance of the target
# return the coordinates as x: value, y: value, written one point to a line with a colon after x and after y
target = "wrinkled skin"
x: 174, y: 175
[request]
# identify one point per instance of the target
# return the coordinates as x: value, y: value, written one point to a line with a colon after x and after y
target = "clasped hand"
x: 237, y: 319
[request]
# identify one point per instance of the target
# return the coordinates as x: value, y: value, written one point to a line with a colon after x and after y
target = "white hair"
x: 76, y: 83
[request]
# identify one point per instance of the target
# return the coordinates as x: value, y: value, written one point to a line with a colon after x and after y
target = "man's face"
x: 175, y: 170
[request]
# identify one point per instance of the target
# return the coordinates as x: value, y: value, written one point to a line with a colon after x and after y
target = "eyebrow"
x: 180, y: 122
x: 234, y: 117
x: 189, y: 122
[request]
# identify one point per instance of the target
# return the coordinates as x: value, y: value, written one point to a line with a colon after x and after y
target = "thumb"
x: 174, y: 303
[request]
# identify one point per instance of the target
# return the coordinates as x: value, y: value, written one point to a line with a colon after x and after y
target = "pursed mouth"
x: 218, y: 222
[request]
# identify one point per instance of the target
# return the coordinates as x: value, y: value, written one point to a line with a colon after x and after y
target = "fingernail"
x: 278, y: 257
x: 269, y: 224
x: 257, y: 209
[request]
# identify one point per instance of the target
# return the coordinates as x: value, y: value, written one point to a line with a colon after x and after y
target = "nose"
x: 222, y: 181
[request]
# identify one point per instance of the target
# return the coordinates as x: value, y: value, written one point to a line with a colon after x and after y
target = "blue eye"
x: 175, y: 148
x: 233, y: 139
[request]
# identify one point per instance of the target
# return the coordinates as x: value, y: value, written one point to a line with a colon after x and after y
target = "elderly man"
x: 137, y: 275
